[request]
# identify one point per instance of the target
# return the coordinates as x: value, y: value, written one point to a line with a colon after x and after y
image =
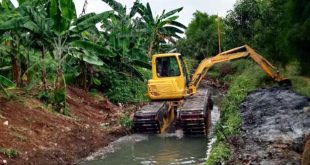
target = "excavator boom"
x: 236, y: 53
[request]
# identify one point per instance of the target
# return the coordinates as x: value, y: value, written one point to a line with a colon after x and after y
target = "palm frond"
x: 7, y: 5
x: 91, y: 58
x: 14, y: 23
x: 132, y: 70
x: 92, y: 47
x: 171, y: 30
x: 118, y: 7
x: 141, y: 64
x: 170, y: 13
x: 177, y: 24
x: 93, y: 20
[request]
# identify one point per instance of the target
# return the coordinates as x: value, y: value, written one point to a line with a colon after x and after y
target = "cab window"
x: 184, y: 71
x: 167, y: 67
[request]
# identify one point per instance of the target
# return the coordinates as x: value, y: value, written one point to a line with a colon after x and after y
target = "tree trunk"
x: 90, y: 76
x: 151, y: 49
x: 60, y: 92
x: 58, y: 84
x: 43, y: 71
x: 16, y: 70
x: 84, y: 75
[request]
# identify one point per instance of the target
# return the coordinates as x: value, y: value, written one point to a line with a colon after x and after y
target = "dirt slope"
x: 44, y: 137
x: 276, y: 122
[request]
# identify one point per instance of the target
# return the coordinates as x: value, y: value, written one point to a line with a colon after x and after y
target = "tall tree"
x: 240, y: 23
x: 299, y: 34
x: 201, y: 36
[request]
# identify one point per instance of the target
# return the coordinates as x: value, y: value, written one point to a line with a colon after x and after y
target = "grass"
x: 246, y: 79
x: 126, y: 121
x: 11, y: 153
x: 301, y: 84
x: 219, y: 153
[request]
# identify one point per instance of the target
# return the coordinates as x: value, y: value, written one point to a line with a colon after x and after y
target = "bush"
x: 127, y: 91
x: 123, y: 88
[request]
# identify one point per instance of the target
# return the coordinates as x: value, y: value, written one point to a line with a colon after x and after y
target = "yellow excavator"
x: 176, y: 99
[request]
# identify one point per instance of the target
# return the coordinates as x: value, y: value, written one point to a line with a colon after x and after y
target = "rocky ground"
x: 36, y: 135
x: 275, y: 128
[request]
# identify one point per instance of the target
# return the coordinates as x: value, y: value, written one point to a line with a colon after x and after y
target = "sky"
x: 189, y: 7
x: 219, y: 7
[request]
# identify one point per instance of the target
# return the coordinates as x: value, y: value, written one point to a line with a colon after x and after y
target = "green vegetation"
x: 219, y: 153
x: 11, y: 153
x: 277, y: 29
x: 191, y: 64
x: 201, y: 37
x: 126, y: 121
x: 247, y: 78
x: 44, y: 45
x: 243, y: 81
x: 301, y: 84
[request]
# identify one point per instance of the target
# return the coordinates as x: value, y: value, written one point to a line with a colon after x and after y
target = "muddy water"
x: 169, y: 148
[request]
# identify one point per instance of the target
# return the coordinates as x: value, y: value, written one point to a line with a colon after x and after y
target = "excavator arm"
x: 236, y: 53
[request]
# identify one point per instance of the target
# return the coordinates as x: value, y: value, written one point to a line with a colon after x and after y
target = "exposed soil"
x: 45, y: 137
x: 214, y: 83
x: 276, y: 124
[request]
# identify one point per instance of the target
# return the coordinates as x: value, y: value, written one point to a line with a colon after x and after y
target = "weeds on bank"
x: 246, y: 79
x: 126, y: 121
x: 11, y: 153
x: 301, y: 84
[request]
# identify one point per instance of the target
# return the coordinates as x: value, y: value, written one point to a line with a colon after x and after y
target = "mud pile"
x: 42, y: 137
x: 275, y: 123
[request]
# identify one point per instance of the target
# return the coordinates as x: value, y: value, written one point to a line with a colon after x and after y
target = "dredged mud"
x: 276, y: 122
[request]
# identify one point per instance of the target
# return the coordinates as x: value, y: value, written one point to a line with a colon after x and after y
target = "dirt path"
x: 276, y: 123
x: 44, y: 137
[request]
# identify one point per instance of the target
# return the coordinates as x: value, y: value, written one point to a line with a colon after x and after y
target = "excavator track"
x: 145, y: 120
x: 194, y: 117
x: 155, y: 117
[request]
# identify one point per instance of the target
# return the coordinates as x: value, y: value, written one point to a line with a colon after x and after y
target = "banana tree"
x: 17, y: 24
x: 7, y: 12
x: 85, y: 28
x: 67, y: 28
x: 126, y: 39
x: 161, y: 28
x: 39, y: 27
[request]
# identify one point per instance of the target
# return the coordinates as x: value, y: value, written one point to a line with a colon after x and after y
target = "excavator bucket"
x: 285, y: 83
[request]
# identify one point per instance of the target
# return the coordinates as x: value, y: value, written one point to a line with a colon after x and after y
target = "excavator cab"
x: 169, y: 77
